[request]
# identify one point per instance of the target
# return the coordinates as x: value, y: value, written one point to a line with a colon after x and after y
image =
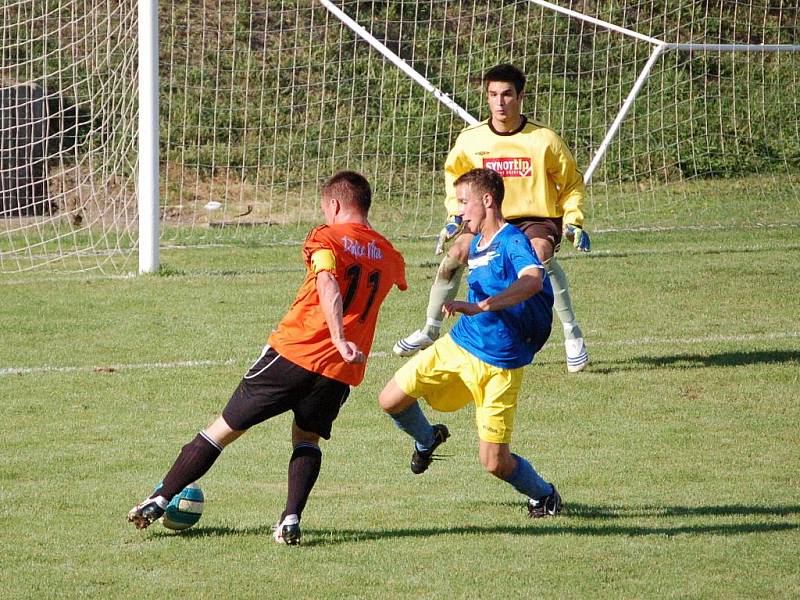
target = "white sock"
x: 562, y: 303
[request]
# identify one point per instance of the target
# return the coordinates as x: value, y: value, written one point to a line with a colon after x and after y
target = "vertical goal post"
x: 148, y: 179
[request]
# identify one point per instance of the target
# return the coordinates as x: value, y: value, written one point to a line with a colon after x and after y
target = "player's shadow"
x: 696, y: 361
x: 588, y: 511
x: 219, y: 531
x: 723, y: 359
x: 578, y: 519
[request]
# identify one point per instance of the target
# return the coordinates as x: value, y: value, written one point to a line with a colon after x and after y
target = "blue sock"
x: 526, y: 480
x: 413, y: 422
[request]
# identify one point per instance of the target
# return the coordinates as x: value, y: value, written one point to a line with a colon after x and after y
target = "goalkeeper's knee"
x: 554, y: 271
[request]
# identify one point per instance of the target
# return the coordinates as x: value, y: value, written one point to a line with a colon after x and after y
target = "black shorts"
x: 543, y: 228
x: 274, y: 385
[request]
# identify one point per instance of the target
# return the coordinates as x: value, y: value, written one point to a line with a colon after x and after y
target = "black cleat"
x: 547, y: 506
x: 145, y: 514
x: 288, y: 531
x: 420, y: 461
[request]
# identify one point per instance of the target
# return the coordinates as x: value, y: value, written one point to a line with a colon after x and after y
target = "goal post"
x: 148, y: 178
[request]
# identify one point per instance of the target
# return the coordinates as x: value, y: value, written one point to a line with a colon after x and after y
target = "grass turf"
x: 677, y: 453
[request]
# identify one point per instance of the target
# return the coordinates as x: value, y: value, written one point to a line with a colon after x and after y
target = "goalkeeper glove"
x: 578, y: 237
x: 448, y: 232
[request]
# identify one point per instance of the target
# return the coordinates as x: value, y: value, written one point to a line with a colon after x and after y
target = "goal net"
x: 668, y: 107
x: 67, y: 134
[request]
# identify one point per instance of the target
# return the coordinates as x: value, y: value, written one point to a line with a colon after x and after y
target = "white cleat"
x: 577, y: 356
x: 409, y: 346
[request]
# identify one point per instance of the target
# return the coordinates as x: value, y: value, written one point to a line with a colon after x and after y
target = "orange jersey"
x: 366, y: 268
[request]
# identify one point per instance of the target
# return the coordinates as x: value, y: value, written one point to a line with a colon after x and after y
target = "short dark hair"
x: 484, y: 181
x: 350, y: 188
x: 507, y: 73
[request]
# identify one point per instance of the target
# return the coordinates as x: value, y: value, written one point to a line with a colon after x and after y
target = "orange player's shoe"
x: 145, y: 513
x: 288, y: 531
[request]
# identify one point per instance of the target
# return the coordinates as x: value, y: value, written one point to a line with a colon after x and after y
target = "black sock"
x: 194, y: 460
x: 304, y: 468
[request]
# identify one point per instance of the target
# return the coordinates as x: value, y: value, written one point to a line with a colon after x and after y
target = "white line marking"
x: 711, y: 339
x: 755, y: 337
x: 112, y: 368
x: 71, y: 277
x: 719, y: 227
x: 683, y: 251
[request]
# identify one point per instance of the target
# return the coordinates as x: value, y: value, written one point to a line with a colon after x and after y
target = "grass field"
x: 677, y: 453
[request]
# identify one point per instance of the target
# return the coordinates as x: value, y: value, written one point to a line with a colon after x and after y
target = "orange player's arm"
x: 330, y: 300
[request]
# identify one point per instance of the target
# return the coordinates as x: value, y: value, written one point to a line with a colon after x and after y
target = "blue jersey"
x: 506, y: 338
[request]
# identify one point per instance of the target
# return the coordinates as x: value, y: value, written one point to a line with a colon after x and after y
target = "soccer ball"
x: 184, y: 510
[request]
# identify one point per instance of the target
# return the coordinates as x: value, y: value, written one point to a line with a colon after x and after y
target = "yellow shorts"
x: 448, y: 378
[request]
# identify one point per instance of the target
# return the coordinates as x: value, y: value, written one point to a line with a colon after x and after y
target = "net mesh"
x: 68, y: 127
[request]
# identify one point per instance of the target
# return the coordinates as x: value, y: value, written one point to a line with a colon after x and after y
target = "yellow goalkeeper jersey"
x: 538, y: 170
